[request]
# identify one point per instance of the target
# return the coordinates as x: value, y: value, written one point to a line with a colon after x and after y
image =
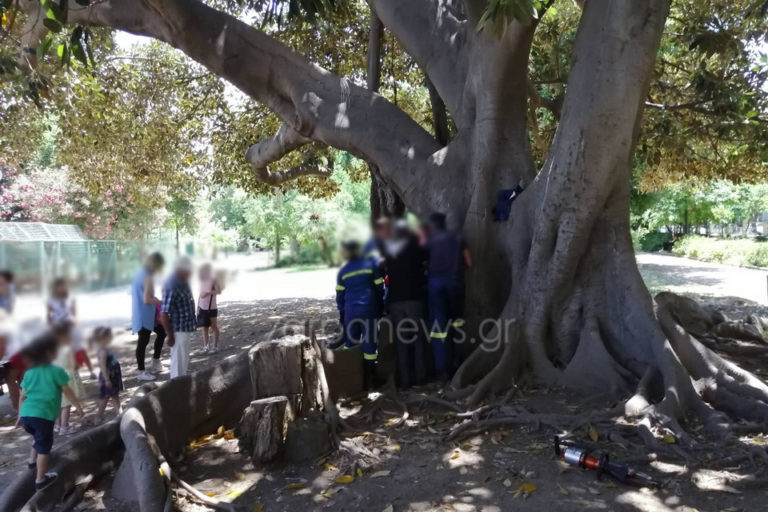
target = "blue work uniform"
x: 446, y: 296
x: 359, y: 297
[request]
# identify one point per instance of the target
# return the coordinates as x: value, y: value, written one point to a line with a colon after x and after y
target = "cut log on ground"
x: 263, y: 426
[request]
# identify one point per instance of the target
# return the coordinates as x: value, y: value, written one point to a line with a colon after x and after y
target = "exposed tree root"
x: 685, y: 377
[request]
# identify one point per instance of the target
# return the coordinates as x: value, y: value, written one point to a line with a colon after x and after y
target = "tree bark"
x: 262, y: 428
x: 385, y: 202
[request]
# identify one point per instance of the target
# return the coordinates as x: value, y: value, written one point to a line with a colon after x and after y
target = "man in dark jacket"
x: 405, y: 261
x: 448, y: 257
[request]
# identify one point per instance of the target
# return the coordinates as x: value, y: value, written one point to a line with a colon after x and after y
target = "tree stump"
x: 263, y: 426
x: 287, y: 367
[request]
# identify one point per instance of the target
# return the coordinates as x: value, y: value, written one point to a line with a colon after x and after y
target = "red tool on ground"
x: 580, y: 456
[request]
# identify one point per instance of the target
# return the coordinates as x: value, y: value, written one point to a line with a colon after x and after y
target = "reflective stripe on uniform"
x: 439, y: 335
x: 370, y: 357
x: 339, y: 288
x: 357, y: 272
x: 379, y: 281
x: 458, y: 323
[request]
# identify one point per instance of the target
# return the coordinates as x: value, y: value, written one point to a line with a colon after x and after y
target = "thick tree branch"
x: 313, y: 102
x: 431, y: 33
x: 277, y: 177
x: 269, y: 151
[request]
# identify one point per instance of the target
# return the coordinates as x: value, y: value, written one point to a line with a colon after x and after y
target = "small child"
x: 62, y: 310
x: 66, y: 360
x: 207, y: 310
x: 42, y: 388
x: 111, y: 377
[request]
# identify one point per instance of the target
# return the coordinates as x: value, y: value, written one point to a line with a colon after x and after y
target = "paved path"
x: 685, y: 276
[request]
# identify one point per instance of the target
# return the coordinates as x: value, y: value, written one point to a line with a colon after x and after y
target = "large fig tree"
x: 559, y: 277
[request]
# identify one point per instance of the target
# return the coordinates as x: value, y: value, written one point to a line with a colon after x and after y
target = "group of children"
x: 48, y: 373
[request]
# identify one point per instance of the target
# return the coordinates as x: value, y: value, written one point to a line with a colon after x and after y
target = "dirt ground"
x: 411, y: 466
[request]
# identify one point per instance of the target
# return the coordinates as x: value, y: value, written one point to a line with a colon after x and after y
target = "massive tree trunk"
x: 385, y: 202
x: 562, y: 267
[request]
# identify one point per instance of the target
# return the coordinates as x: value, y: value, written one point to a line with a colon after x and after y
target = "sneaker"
x: 32, y: 464
x: 145, y: 375
x: 56, y: 429
x: 47, y: 481
x: 157, y: 366
x: 64, y: 431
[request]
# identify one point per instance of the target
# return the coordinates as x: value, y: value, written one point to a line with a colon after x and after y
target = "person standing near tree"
x: 178, y: 315
x: 359, y: 298
x: 448, y: 257
x: 207, y: 309
x: 144, y: 317
x: 405, y: 262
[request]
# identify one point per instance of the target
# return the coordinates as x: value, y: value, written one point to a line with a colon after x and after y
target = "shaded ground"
x: 411, y: 466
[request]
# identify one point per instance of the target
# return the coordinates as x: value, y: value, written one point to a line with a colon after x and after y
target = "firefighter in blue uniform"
x: 448, y: 257
x: 359, y: 297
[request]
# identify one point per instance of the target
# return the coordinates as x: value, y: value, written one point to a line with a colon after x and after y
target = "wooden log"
x: 263, y: 426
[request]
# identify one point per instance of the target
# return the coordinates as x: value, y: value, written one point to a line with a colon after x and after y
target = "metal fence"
x: 88, y: 264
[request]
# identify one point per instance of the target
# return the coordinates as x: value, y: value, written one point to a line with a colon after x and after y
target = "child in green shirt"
x: 40, y: 404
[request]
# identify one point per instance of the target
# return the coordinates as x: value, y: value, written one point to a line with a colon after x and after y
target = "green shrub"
x: 759, y: 255
x: 732, y: 252
x: 653, y: 241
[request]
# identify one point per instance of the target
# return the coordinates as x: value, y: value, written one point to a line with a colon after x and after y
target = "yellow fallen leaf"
x: 160, y: 470
x: 329, y: 467
x: 240, y: 476
x: 210, y: 494
x: 593, y: 435
x: 527, y: 487
x: 397, y: 448
x: 233, y: 493
x: 670, y: 439
x: 345, y: 479
x: 220, y: 430
x: 258, y: 508
x: 294, y: 486
x: 455, y: 456
x: 228, y: 435
x: 562, y: 490
x: 359, y: 473
x: 448, y: 506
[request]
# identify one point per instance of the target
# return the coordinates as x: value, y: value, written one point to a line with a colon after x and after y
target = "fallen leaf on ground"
x: 527, y: 487
x: 593, y: 435
x: 669, y: 439
x: 295, y: 486
x: 258, y: 508
x: 210, y: 494
x: 389, y: 508
x: 240, y: 476
x: 562, y: 490
x: 359, y: 473
x: 345, y: 479
x: 397, y: 448
x: 382, y: 473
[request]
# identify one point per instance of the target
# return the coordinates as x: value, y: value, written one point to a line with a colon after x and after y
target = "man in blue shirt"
x: 359, y: 298
x: 144, y: 317
x: 178, y: 315
x: 448, y: 257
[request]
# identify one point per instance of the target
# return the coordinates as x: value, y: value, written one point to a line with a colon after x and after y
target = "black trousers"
x: 141, y: 347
